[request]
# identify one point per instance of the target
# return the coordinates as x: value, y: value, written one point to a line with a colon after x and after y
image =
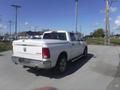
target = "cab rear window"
x: 57, y: 36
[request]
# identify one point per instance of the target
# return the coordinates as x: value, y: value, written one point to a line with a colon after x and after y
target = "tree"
x: 98, y: 33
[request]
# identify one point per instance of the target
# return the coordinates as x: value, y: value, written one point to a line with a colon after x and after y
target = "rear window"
x: 58, y: 36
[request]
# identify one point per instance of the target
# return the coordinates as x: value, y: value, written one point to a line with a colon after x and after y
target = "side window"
x: 72, y: 37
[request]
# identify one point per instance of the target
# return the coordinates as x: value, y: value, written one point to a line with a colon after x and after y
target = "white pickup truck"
x: 54, y: 50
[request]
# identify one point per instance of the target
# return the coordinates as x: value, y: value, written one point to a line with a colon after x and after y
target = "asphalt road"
x: 99, y: 71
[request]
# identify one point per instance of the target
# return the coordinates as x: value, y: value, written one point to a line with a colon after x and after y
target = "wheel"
x: 85, y: 52
x: 61, y: 65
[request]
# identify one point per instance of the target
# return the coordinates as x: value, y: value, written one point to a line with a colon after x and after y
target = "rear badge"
x: 24, y: 49
x: 23, y: 40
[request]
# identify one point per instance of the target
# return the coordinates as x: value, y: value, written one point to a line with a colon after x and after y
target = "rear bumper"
x: 31, y: 62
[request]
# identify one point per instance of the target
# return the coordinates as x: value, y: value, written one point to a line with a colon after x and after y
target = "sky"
x: 58, y: 15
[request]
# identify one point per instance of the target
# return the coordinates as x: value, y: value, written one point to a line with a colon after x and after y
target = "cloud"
x: 117, y: 23
x: 102, y: 11
x: 26, y: 23
x: 2, y: 27
x: 97, y: 23
x: 112, y: 10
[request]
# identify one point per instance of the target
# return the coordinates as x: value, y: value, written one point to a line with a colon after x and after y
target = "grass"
x: 100, y: 41
x: 96, y: 41
x: 115, y: 41
x: 4, y: 46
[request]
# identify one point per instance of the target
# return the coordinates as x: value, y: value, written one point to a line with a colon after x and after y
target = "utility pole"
x: 0, y: 18
x: 35, y: 28
x: 107, y: 21
x: 76, y: 16
x: 107, y: 26
x: 16, y: 11
x: 10, y: 23
x: 80, y: 33
x: 0, y: 26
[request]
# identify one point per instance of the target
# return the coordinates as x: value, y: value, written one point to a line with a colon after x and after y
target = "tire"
x: 85, y: 52
x: 61, y: 65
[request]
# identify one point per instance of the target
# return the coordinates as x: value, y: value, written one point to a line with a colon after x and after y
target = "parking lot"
x: 99, y: 71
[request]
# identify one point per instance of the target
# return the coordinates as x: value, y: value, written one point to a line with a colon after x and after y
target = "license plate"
x: 24, y: 61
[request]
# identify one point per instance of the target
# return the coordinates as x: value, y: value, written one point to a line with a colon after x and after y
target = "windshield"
x: 58, y: 36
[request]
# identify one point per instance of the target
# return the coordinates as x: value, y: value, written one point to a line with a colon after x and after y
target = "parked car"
x: 54, y: 50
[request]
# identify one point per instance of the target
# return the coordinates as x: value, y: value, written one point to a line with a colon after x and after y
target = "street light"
x: 76, y: 15
x: 16, y: 9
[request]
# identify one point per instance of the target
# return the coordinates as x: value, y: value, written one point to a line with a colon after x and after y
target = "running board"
x: 73, y: 60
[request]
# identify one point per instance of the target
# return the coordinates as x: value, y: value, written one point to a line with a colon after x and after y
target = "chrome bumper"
x: 31, y: 62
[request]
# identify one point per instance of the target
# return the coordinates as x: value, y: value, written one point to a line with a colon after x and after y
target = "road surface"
x: 99, y: 71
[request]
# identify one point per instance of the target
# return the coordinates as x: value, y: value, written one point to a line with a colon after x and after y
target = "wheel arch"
x: 64, y: 53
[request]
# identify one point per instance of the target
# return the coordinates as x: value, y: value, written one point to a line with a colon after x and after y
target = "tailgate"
x: 28, y: 49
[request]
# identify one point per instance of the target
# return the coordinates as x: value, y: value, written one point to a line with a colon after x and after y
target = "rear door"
x: 80, y: 44
x: 74, y: 45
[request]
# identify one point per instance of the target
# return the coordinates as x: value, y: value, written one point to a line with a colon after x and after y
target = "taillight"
x: 45, y: 53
